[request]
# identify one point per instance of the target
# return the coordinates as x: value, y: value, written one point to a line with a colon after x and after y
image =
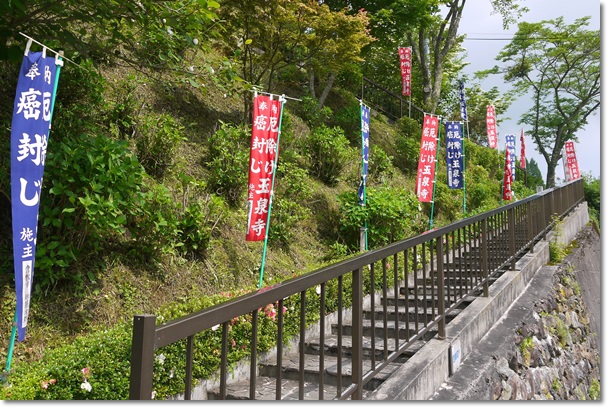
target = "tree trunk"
x: 328, y: 85
x: 311, y: 81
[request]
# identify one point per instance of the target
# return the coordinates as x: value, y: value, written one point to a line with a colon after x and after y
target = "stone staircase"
x: 320, y: 378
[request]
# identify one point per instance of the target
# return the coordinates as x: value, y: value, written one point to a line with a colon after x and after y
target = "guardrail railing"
x: 432, y: 266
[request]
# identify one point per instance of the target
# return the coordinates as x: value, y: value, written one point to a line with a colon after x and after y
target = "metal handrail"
x: 471, y: 250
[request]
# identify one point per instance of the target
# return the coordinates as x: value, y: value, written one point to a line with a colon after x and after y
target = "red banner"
x: 405, y: 62
x: 572, y: 171
x: 507, y: 193
x: 522, y: 157
x: 491, y: 127
x: 427, y: 160
x: 262, y: 163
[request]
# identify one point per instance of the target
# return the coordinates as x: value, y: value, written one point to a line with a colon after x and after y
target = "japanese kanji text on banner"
x: 491, y: 127
x: 507, y: 192
x: 427, y: 160
x: 29, y: 137
x: 522, y: 157
x: 510, y: 144
x: 364, y: 152
x: 453, y: 154
x: 572, y: 170
x: 262, y: 163
x: 405, y: 62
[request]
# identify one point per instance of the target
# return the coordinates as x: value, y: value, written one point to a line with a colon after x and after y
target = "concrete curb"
x: 428, y: 369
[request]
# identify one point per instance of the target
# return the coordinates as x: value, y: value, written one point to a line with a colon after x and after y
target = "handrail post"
x: 511, y: 221
x: 440, y: 290
x: 142, y: 357
x: 357, y: 343
x: 484, y: 256
x: 530, y: 235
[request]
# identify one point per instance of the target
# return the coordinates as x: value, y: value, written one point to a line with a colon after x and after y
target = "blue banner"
x: 453, y: 154
x: 29, y: 138
x: 364, y: 152
x: 510, y: 143
x: 463, y: 103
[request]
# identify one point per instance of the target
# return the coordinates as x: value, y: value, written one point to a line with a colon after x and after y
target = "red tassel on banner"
x: 262, y: 164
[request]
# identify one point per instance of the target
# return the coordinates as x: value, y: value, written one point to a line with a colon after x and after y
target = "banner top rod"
x: 271, y: 94
x: 57, y: 53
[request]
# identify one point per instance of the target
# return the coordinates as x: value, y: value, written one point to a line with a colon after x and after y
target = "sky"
x: 478, y: 22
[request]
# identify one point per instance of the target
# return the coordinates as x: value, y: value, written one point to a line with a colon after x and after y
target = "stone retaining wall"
x: 555, y: 355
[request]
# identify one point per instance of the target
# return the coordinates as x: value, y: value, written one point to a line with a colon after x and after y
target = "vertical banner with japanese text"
x: 463, y: 103
x: 405, y: 62
x: 572, y: 170
x: 262, y: 163
x: 428, y: 157
x: 491, y: 127
x: 510, y: 145
x: 364, y: 152
x: 507, y: 192
x: 522, y: 157
x: 29, y: 138
x: 453, y: 154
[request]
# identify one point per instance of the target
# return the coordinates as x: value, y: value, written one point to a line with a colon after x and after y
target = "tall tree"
x: 434, y: 39
x: 272, y: 35
x: 559, y: 65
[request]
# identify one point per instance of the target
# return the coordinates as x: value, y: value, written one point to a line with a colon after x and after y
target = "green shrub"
x: 228, y: 162
x: 312, y: 114
x: 380, y: 165
x: 157, y: 139
x: 391, y: 215
x: 94, y: 193
x: 329, y: 151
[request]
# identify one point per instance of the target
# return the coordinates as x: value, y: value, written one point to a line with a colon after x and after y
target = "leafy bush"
x: 391, y: 215
x: 328, y: 150
x: 157, y: 139
x: 312, y: 114
x: 380, y: 165
x: 228, y: 161
x: 95, y: 191
x: 407, y: 151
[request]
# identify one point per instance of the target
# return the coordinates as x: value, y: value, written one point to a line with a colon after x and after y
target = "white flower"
x: 86, y: 386
x: 160, y: 358
x: 195, y: 41
x: 164, y: 21
x: 318, y: 289
x: 191, y: 68
x: 171, y: 373
x: 212, y: 70
x: 169, y: 30
x: 153, y: 394
x: 214, y: 328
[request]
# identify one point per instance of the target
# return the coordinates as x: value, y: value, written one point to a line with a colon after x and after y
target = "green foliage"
x: 157, y: 140
x: 380, y: 165
x: 594, y: 389
x: 592, y: 188
x: 313, y: 115
x: 391, y: 215
x: 408, y: 145
x: 289, y: 204
x: 328, y: 151
x: 94, y: 193
x: 228, y: 162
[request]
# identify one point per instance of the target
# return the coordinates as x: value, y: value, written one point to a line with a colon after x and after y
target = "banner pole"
x: 11, y: 347
x: 435, y: 175
x: 282, y: 99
